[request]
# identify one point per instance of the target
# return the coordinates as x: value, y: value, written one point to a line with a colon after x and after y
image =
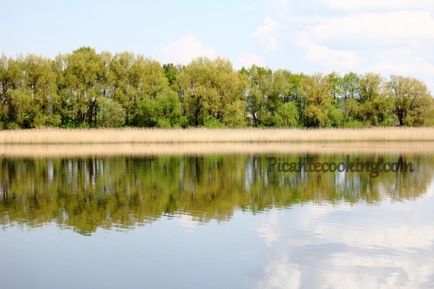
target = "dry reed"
x: 202, y: 135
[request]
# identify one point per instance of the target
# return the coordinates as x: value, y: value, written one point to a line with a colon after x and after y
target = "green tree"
x: 350, y: 89
x: 259, y: 90
x: 318, y: 95
x: 22, y: 108
x: 82, y: 72
x: 287, y: 115
x: 413, y: 102
x: 40, y: 78
x: 109, y: 113
x: 124, y: 91
x: 376, y: 105
x: 10, y: 79
x: 212, y: 89
x: 171, y: 71
x: 163, y: 111
x: 148, y: 80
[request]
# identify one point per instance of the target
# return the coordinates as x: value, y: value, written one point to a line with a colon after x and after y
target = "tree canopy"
x: 89, y: 89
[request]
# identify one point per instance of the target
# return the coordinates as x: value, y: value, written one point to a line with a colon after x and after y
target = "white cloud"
x: 185, y: 49
x: 405, y: 62
x: 247, y: 59
x: 413, y: 66
x: 387, y: 41
x: 380, y: 4
x: 331, y: 58
x: 376, y: 28
x: 266, y: 33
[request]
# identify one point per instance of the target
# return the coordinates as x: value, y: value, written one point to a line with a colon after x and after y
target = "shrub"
x: 109, y: 113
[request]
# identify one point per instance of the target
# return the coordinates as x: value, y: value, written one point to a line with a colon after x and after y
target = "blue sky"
x: 384, y: 36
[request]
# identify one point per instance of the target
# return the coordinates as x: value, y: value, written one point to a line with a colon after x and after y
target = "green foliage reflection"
x: 88, y: 193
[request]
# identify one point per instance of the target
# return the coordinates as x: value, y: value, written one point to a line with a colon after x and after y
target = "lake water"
x: 215, y: 221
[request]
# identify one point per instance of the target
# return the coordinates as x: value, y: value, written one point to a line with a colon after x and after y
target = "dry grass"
x: 111, y: 142
x: 201, y: 135
x: 77, y: 150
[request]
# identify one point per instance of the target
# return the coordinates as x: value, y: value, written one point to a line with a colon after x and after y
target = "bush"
x: 43, y: 120
x: 354, y: 124
x: 109, y: 113
x: 287, y: 115
x: 163, y: 111
x: 213, y: 123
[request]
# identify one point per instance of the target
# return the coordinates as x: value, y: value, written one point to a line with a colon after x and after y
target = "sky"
x: 382, y: 36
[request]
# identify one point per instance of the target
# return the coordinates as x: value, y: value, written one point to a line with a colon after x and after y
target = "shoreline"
x: 203, y: 135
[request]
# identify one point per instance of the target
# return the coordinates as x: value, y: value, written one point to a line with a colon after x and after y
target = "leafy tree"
x: 413, y: 103
x: 40, y: 78
x: 109, y: 113
x: 22, y: 107
x: 148, y: 80
x: 287, y: 115
x: 318, y: 94
x: 376, y: 105
x: 171, y: 71
x: 124, y: 91
x: 350, y: 89
x: 335, y: 82
x: 10, y: 79
x: 82, y: 73
x: 212, y: 89
x: 163, y: 111
x: 259, y: 90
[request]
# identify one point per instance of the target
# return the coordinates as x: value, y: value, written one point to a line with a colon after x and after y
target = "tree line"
x: 88, y: 89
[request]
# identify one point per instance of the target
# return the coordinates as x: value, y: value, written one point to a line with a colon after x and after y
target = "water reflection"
x: 386, y: 246
x: 88, y: 193
x: 214, y: 221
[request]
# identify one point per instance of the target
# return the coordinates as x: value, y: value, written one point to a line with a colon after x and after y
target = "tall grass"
x: 202, y: 135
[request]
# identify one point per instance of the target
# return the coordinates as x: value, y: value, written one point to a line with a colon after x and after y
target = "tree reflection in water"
x: 88, y: 193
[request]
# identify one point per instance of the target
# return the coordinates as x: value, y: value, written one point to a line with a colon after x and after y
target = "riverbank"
x: 202, y: 135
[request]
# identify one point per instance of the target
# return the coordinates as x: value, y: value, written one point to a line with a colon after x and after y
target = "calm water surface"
x: 214, y: 221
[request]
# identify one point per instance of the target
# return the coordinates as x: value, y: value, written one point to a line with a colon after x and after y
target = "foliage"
x: 287, y: 115
x: 213, y: 123
x: 413, y: 102
x: 212, y: 89
x: 89, y: 89
x: 109, y: 113
x: 163, y: 111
